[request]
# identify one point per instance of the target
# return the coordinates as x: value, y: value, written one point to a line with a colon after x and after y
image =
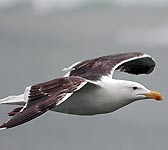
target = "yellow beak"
x: 154, y: 95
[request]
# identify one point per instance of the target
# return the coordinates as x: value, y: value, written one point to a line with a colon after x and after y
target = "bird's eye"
x: 135, y: 88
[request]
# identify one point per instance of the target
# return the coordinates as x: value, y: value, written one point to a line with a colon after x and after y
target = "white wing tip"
x: 69, y: 69
x: 4, y: 128
x: 146, y: 55
x: 65, y: 69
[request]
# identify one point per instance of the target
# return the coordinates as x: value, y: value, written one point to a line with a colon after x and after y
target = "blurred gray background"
x: 39, y: 38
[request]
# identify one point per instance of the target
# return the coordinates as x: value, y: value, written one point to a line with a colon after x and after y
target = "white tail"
x: 13, y: 100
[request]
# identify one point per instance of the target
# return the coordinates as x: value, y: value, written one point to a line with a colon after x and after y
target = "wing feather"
x: 94, y: 69
x: 43, y: 97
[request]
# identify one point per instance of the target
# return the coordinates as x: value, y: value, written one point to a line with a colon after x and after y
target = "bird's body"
x: 87, y: 89
x: 90, y: 100
x: 95, y: 99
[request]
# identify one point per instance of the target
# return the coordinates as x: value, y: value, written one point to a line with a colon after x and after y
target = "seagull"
x: 87, y: 89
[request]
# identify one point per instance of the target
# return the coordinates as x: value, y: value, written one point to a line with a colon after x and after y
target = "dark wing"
x: 15, y: 111
x: 94, y: 69
x: 42, y: 97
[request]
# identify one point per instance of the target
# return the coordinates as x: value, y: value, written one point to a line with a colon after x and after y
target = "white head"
x: 135, y: 91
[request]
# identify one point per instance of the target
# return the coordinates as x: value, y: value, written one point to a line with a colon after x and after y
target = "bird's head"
x: 137, y: 91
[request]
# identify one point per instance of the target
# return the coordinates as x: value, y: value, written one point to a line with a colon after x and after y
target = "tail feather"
x: 13, y: 100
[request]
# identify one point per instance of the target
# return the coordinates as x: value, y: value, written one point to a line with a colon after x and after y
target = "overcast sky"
x: 36, y: 48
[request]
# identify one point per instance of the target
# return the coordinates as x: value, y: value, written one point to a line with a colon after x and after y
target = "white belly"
x: 90, y: 100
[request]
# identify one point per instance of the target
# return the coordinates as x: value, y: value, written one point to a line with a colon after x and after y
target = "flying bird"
x: 87, y: 89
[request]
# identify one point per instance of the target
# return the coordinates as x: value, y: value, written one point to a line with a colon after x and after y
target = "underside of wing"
x: 43, y: 97
x: 94, y: 69
x: 142, y: 65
